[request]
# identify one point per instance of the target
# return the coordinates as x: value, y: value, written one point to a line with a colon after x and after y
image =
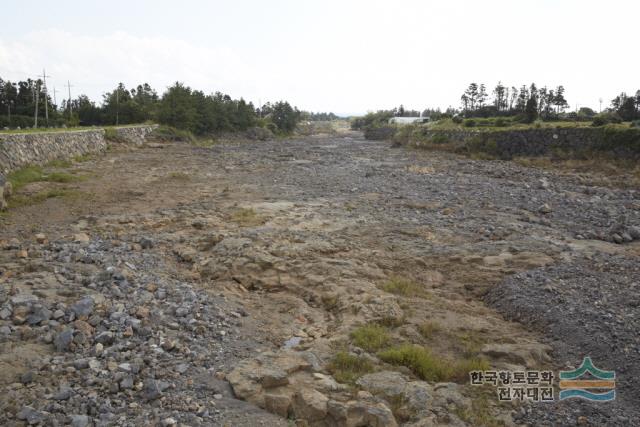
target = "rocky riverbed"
x: 183, y: 285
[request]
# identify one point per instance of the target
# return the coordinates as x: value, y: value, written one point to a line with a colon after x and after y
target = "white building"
x: 408, y: 120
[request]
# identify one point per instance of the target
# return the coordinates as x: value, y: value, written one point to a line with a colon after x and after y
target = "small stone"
x: 41, y: 238
x: 27, y: 377
x: 23, y: 299
x: 79, y: 421
x: 38, y: 314
x: 634, y: 232
x: 146, y: 243
x: 30, y: 415
x: 105, y: 337
x: 81, y: 238
x: 83, y: 308
x: 128, y: 332
x: 99, y: 349
x: 168, y: 345
x: 142, y: 312
x: 22, y: 254
x: 63, y: 340
x: 617, y: 238
x: 152, y: 389
x: 217, y: 396
x: 545, y: 209
x: 169, y: 422
x: 126, y: 383
x: 63, y: 394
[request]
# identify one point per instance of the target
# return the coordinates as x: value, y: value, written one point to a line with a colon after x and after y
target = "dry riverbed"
x: 328, y: 280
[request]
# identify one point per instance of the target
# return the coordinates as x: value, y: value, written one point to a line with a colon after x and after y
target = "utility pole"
x: 46, y: 105
x: 69, y: 86
x: 117, y: 104
x: 55, y: 102
x: 600, y: 104
x: 37, y: 89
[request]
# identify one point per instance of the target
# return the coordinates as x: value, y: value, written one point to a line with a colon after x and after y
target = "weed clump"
x: 370, y: 337
x: 347, y: 368
x: 430, y: 367
x: 402, y: 286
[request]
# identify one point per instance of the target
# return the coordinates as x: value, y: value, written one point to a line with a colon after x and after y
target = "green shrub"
x: 440, y: 138
x: 500, y: 122
x: 111, y: 134
x: 430, y: 367
x: 347, y: 368
x: 171, y: 134
x: 599, y: 121
x: 401, y: 286
x: 457, y: 119
x: 469, y: 123
x: 370, y: 337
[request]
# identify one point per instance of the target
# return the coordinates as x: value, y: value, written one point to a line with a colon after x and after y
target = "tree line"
x: 179, y: 106
x: 530, y: 102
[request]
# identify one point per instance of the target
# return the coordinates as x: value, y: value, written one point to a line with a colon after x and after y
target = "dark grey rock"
x: 83, y: 308
x: 63, y: 340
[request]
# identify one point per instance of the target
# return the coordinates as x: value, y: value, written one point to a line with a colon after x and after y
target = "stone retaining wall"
x: 18, y: 150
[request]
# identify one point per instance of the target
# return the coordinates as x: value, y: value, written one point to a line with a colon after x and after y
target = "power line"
x: 46, y: 105
x: 69, y: 86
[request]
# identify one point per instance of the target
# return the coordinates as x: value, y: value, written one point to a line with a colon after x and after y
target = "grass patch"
x: 480, y: 413
x: 111, y: 134
x: 203, y: 142
x: 171, y: 134
x: 429, y: 329
x: 20, y: 200
x: 402, y: 286
x: 82, y: 158
x: 179, y: 176
x: 430, y: 367
x: 329, y: 301
x: 347, y: 368
x: 246, y: 217
x: 30, y: 174
x: 61, y: 177
x: 392, y: 321
x: 371, y: 337
x: 60, y: 163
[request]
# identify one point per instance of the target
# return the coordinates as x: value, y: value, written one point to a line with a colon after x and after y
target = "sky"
x: 345, y: 56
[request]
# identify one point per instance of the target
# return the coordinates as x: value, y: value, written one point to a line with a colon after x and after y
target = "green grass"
x: 430, y: 367
x: 60, y: 164
x: 429, y: 329
x: 179, y: 176
x: 30, y: 174
x: 480, y: 413
x: 347, y: 368
x: 19, y: 200
x: 371, y: 337
x: 246, y: 217
x: 402, y: 286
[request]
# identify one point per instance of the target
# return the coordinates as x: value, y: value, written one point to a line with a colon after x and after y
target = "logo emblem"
x: 571, y: 386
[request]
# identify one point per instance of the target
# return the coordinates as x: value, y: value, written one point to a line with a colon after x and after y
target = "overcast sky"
x: 343, y: 56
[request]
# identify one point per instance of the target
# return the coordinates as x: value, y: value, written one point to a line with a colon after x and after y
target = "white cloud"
x: 95, y: 65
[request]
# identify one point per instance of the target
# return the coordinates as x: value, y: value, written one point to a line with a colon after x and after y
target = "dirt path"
x: 172, y: 271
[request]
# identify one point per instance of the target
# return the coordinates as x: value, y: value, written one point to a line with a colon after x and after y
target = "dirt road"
x: 253, y: 282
